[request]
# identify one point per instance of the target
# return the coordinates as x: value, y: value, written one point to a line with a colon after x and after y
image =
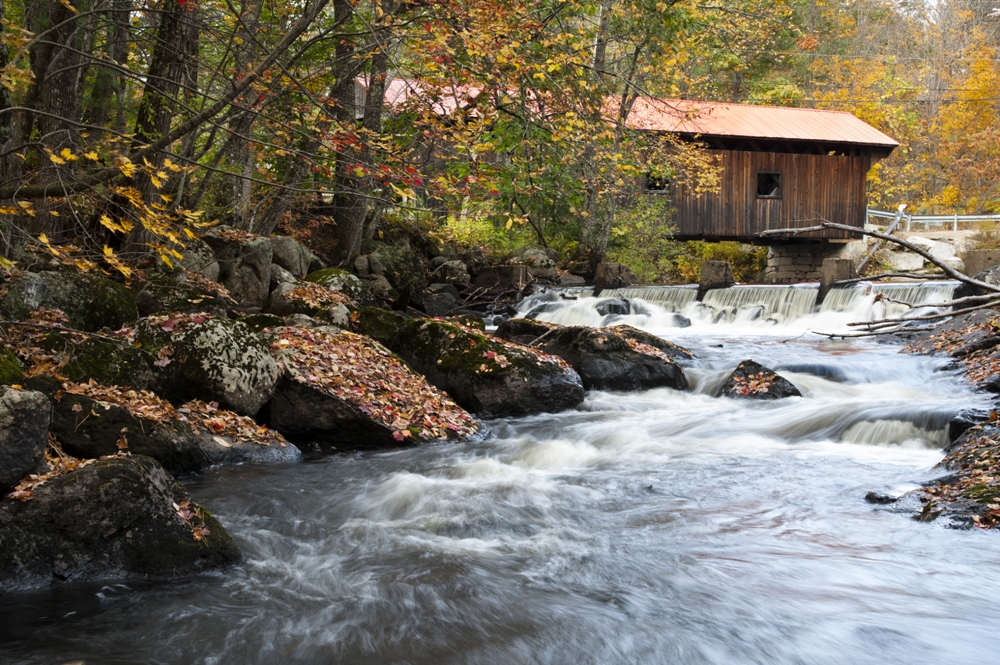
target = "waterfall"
x: 749, y: 303
x: 670, y: 298
x: 899, y: 298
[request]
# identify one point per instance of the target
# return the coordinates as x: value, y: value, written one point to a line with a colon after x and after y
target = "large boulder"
x: 482, y: 374
x: 439, y: 299
x: 90, y: 302
x: 172, y: 293
x: 503, y: 277
x: 751, y: 380
x: 401, y: 266
x: 341, y: 280
x: 208, y: 358
x: 24, y: 433
x: 345, y: 391
x: 108, y: 519
x: 92, y: 421
x: 310, y: 299
x: 604, y: 358
x: 107, y: 359
x: 244, y: 264
x: 960, y: 336
x: 291, y: 255
x: 451, y: 272
x: 197, y: 257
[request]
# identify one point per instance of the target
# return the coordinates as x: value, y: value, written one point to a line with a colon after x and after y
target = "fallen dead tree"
x: 889, y: 326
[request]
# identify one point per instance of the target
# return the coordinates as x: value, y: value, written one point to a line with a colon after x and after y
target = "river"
x: 658, y: 527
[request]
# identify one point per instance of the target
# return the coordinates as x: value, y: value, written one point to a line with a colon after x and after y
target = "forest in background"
x: 126, y: 126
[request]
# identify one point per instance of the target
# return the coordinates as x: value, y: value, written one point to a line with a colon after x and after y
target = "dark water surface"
x: 661, y: 527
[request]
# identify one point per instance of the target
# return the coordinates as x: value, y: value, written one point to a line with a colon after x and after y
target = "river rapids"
x: 656, y: 527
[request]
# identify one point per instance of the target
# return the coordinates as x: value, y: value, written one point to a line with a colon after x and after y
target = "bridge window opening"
x: 768, y: 185
x: 655, y: 184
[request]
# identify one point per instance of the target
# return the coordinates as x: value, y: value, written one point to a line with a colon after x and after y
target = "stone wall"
x: 789, y: 264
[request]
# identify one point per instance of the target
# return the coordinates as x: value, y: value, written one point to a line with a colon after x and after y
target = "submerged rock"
x: 90, y: 302
x: 751, y: 380
x: 24, y: 433
x: 605, y: 358
x: 482, y: 374
x: 208, y: 358
x: 111, y: 518
x: 345, y: 391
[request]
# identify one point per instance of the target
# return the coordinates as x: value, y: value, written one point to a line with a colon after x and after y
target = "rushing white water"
x: 655, y: 527
x: 780, y: 310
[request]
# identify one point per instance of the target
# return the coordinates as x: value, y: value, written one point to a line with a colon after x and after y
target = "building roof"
x: 754, y: 122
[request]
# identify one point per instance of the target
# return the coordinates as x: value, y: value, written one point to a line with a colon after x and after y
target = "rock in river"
x: 605, y: 358
x: 751, y: 380
x: 483, y: 374
x: 108, y: 519
x: 345, y: 391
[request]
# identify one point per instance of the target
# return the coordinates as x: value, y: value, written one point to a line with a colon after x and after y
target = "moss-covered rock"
x: 258, y: 322
x: 113, y: 518
x: 110, y: 361
x: 605, y: 358
x: 208, y: 358
x: 90, y: 302
x: 163, y: 293
x: 341, y: 280
x: 402, y: 266
x: 381, y: 325
x: 10, y: 367
x: 482, y: 374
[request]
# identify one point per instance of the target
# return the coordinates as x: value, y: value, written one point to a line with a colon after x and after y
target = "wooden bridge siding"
x: 812, y: 187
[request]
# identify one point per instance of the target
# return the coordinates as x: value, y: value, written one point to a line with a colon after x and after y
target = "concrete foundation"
x: 834, y: 270
x: 790, y: 264
x: 979, y: 260
x: 714, y: 275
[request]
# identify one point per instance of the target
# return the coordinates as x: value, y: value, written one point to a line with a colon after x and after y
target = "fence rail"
x: 969, y: 222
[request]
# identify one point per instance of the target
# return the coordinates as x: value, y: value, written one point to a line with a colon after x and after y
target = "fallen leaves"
x: 753, y: 384
x: 364, y: 373
x: 200, y: 415
x: 318, y: 296
x: 59, y: 463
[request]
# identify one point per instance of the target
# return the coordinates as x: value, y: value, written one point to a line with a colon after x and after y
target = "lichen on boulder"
x: 111, y: 518
x: 89, y: 301
x: 204, y: 357
x: 482, y: 374
x: 343, y: 390
x: 751, y: 380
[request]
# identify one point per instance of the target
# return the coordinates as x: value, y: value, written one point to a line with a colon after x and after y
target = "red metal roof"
x: 754, y: 122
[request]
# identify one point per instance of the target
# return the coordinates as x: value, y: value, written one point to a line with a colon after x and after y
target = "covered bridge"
x: 781, y: 167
